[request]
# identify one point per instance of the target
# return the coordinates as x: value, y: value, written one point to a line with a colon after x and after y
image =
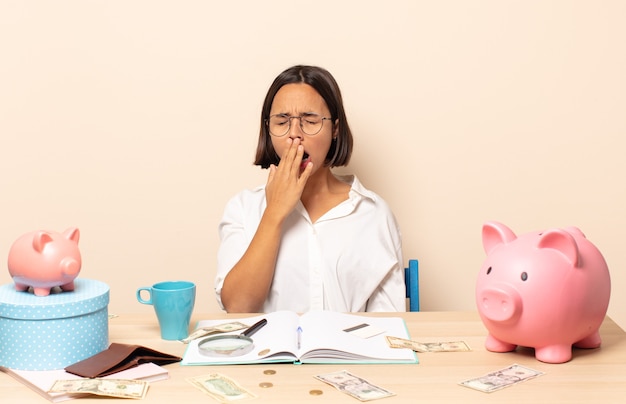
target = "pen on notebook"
x: 299, y: 332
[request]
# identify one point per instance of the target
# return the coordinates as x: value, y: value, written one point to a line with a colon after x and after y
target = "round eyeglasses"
x: 310, y: 124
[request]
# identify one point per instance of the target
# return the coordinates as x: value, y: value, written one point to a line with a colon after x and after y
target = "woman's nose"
x: 295, y: 130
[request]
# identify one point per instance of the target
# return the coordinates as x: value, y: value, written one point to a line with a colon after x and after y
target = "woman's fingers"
x: 285, y: 182
x: 290, y: 161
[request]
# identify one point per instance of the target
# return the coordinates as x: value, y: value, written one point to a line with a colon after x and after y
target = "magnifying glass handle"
x: 254, y: 328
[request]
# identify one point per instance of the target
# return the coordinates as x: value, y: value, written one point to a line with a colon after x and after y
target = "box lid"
x: 88, y: 296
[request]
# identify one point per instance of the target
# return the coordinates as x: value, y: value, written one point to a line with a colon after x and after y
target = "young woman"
x: 308, y: 239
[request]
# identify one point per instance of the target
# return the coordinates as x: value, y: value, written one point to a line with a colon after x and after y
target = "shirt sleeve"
x: 234, y: 240
x: 390, y: 295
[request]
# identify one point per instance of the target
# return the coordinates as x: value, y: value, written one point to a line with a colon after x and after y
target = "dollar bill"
x: 119, y: 388
x: 354, y: 386
x: 221, y: 388
x: 216, y: 329
x: 445, y: 346
x: 501, y: 378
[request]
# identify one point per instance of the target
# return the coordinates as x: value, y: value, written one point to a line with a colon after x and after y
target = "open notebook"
x: 322, y: 337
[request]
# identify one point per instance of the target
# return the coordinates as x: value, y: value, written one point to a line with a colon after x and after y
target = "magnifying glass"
x: 230, y: 345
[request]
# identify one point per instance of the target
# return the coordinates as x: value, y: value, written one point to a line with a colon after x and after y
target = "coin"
x: 264, y: 352
x: 316, y: 392
x: 269, y: 372
x: 265, y: 385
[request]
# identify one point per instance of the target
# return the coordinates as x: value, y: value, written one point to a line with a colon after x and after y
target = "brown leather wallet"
x: 119, y: 357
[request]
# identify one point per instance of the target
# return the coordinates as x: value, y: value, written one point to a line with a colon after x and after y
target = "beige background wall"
x: 136, y: 121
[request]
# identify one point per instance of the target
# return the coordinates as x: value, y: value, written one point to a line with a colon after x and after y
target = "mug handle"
x: 142, y: 300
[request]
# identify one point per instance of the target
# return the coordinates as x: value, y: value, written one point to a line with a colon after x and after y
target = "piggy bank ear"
x: 72, y: 234
x: 494, y: 234
x: 561, y: 241
x: 40, y: 239
x: 575, y: 231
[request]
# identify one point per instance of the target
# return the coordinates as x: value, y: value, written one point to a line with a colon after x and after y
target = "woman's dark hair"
x: 324, y: 83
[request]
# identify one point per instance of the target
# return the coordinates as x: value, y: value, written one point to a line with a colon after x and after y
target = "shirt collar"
x: 357, y: 190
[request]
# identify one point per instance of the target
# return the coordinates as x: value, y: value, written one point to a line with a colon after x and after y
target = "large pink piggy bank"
x: 43, y: 260
x: 545, y: 290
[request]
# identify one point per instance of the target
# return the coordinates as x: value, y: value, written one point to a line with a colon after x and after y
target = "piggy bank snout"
x: 500, y: 303
x: 70, y: 266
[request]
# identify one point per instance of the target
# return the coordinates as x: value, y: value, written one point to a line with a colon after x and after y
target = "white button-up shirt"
x: 349, y: 260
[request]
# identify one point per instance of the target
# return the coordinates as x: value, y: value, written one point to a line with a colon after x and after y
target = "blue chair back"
x: 411, y: 278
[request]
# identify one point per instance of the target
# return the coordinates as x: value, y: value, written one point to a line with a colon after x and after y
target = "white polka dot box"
x: 52, y: 332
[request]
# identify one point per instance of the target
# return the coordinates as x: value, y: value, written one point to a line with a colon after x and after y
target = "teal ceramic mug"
x: 173, y: 303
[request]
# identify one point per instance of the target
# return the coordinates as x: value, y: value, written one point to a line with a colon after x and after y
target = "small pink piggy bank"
x: 43, y: 260
x: 545, y: 290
